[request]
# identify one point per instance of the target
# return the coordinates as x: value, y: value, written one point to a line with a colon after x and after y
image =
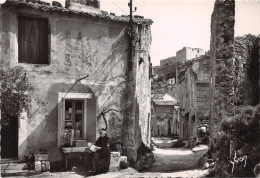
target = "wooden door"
x: 9, y: 138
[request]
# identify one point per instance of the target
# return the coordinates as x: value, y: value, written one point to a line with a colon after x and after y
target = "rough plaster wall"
x: 78, y: 47
x: 162, y: 121
x: 202, y: 102
x: 202, y: 89
x: 143, y: 86
x: 181, y: 55
x: 136, y: 127
x: 186, y: 99
x: 194, y: 90
x: 221, y: 64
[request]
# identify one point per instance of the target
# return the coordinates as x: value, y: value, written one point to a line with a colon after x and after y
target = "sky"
x: 180, y: 23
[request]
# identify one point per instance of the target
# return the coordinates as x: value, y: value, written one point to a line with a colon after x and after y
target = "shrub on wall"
x: 15, y: 93
x: 239, y: 157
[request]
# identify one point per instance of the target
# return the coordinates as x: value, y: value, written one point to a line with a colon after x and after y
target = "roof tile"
x: 49, y: 8
x: 165, y: 103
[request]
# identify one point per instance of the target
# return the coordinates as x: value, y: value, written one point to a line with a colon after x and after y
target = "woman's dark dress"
x: 101, y: 158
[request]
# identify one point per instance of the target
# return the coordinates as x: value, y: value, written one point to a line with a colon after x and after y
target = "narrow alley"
x: 122, y: 88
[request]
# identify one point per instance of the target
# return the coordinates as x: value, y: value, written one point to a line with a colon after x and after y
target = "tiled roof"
x: 158, y: 96
x: 165, y: 103
x: 104, y: 16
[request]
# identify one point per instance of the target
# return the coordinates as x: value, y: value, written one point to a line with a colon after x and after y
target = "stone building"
x: 57, y: 46
x: 163, y: 115
x: 168, y: 61
x: 234, y: 64
x: 184, y: 54
x: 187, y: 53
x: 193, y: 94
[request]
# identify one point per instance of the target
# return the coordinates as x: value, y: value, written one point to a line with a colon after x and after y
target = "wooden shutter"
x: 91, y: 120
x: 32, y: 40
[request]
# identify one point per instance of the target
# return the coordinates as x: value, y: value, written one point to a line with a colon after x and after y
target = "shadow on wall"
x: 45, y: 135
x: 96, y: 49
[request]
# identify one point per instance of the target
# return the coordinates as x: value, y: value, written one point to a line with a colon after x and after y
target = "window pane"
x: 79, y: 105
x: 78, y: 126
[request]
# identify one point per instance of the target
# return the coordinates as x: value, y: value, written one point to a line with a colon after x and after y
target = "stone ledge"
x: 115, y: 161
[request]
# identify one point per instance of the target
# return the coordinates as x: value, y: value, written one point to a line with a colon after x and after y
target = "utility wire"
x: 103, y: 73
x: 112, y: 94
x: 64, y: 96
x: 119, y: 7
x: 75, y: 84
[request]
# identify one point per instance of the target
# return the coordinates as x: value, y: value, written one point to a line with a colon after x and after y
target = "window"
x: 77, y: 116
x: 32, y: 40
x: 198, y: 51
x: 74, y: 117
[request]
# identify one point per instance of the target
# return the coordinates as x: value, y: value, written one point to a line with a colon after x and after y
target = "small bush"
x: 178, y: 144
x: 29, y: 157
x: 240, y: 136
x: 124, y: 165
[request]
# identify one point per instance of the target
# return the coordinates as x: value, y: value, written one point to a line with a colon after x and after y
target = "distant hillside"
x: 164, y: 72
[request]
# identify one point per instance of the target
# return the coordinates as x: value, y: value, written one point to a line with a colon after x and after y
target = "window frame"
x: 61, y: 112
x: 72, y: 118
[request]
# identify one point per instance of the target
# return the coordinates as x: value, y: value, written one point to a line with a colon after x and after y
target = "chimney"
x: 91, y: 6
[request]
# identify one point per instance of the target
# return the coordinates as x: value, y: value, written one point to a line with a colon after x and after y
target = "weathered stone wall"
x: 234, y: 82
x: 193, y: 84
x: 187, y: 53
x: 221, y: 65
x: 202, y: 93
x: 162, y: 117
x: 143, y: 83
x: 192, y: 53
x: 247, y: 74
x: 79, y: 47
x: 176, y: 121
x: 168, y: 61
x: 136, y: 123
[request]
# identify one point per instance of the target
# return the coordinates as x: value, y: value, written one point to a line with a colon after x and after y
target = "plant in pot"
x: 29, y: 159
x: 68, y: 138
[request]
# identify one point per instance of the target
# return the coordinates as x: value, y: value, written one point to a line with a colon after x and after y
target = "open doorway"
x: 9, y: 138
x: 169, y: 127
x: 186, y: 127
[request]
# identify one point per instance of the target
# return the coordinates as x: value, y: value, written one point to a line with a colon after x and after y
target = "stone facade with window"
x: 56, y: 47
x: 193, y: 91
x: 164, y: 115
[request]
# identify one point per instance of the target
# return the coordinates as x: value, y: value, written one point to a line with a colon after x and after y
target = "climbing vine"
x: 15, y: 93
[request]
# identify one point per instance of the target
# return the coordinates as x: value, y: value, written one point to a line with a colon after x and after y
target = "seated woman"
x: 100, y: 159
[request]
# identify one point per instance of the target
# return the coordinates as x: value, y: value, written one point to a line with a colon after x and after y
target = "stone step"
x: 13, y: 166
x: 10, y: 167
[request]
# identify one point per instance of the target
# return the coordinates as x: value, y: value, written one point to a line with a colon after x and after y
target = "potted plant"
x: 29, y: 159
x: 68, y: 138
